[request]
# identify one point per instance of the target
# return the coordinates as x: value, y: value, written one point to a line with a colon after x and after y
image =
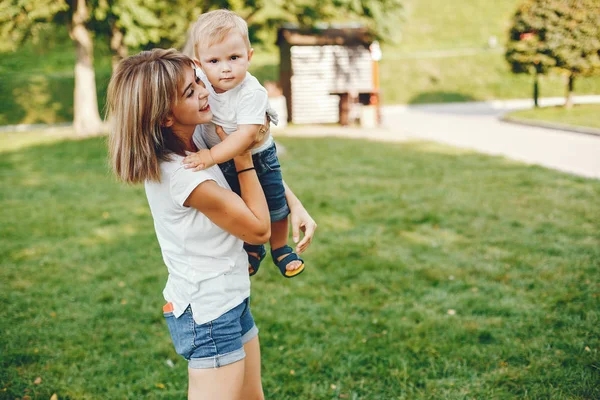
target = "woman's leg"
x: 224, y: 383
x: 252, y: 388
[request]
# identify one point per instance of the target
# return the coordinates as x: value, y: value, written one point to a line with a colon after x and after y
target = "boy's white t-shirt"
x: 245, y: 104
x: 208, y: 267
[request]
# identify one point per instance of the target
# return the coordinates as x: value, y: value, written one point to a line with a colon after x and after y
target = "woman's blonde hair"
x: 141, y: 94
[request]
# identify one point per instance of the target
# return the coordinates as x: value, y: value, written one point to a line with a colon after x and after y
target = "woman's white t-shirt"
x: 208, y: 267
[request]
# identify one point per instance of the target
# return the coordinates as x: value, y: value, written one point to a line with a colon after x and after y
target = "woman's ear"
x: 168, y: 122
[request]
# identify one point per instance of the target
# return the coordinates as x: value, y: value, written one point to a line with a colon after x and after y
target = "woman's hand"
x: 220, y: 132
x: 302, y: 221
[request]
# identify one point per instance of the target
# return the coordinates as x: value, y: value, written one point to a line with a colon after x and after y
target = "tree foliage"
x: 28, y: 20
x: 164, y: 23
x: 264, y: 16
x: 560, y: 35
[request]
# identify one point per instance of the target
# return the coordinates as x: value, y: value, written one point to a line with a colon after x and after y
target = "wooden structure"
x: 323, y: 72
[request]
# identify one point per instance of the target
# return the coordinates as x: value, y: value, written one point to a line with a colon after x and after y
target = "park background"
x: 435, y: 273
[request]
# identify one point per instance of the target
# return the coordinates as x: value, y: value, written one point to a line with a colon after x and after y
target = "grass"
x: 435, y: 273
x: 36, y: 83
x: 431, y: 25
x: 580, y: 115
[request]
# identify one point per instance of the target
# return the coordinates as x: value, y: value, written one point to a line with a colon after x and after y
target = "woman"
x: 156, y: 105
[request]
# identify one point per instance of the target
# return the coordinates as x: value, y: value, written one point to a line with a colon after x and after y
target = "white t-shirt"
x: 245, y: 104
x: 208, y: 267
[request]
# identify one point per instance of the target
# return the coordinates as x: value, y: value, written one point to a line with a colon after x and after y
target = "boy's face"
x: 225, y: 63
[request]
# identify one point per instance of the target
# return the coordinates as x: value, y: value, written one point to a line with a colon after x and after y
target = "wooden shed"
x: 323, y: 70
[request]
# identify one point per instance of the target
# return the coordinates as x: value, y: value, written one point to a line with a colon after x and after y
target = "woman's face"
x: 192, y: 106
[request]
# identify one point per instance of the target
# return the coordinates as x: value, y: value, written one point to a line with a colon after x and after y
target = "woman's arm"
x: 301, y: 221
x: 247, y: 217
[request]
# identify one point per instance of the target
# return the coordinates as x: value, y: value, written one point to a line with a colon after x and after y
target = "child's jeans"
x: 269, y: 175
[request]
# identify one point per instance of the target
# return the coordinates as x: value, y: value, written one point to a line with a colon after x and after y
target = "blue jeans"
x: 268, y: 170
x: 215, y: 343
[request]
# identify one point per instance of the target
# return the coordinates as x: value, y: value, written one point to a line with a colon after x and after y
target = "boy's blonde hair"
x: 141, y: 94
x: 212, y: 27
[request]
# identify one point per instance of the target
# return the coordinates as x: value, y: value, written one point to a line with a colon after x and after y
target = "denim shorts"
x: 268, y: 170
x: 215, y: 343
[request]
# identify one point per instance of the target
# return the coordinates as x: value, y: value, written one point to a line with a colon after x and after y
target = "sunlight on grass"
x: 109, y: 234
x: 586, y: 115
x: 11, y: 141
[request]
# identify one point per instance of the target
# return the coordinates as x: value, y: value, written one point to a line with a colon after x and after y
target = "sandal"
x: 281, y: 264
x: 254, y: 261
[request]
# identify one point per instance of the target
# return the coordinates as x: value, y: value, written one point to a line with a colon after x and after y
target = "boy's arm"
x: 233, y: 145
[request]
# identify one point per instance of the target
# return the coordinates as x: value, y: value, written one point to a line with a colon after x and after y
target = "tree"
x: 561, y: 35
x: 23, y: 19
x: 139, y: 23
x: 136, y: 23
x: 265, y: 16
x: 127, y: 23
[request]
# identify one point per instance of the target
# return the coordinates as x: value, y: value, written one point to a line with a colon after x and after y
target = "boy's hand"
x: 199, y: 161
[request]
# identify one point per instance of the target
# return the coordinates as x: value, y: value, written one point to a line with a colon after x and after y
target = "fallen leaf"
x: 54, y: 397
x: 451, y: 312
x: 343, y: 396
x: 292, y: 372
x: 333, y: 387
x: 26, y: 397
x: 587, y: 348
x: 160, y: 385
x: 124, y: 301
x: 53, y: 314
x: 38, y: 380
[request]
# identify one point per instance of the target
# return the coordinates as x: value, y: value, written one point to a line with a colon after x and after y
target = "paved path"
x: 477, y: 126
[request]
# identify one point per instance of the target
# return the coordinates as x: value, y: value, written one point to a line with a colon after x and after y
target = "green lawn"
x: 587, y: 115
x: 435, y: 274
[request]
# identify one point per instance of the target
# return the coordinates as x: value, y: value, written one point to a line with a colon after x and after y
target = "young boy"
x: 240, y: 106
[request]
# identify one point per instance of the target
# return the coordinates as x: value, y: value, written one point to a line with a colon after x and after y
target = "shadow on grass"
x: 440, y: 97
x: 46, y: 99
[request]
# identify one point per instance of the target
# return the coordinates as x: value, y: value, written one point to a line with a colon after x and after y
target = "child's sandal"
x: 254, y: 261
x: 282, y: 264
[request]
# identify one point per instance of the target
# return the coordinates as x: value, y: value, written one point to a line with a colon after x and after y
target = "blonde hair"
x: 212, y: 27
x: 141, y: 94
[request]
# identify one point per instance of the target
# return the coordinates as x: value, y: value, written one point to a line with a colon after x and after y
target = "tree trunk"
x: 569, y: 92
x: 86, y: 118
x: 536, y: 90
x: 119, y: 49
